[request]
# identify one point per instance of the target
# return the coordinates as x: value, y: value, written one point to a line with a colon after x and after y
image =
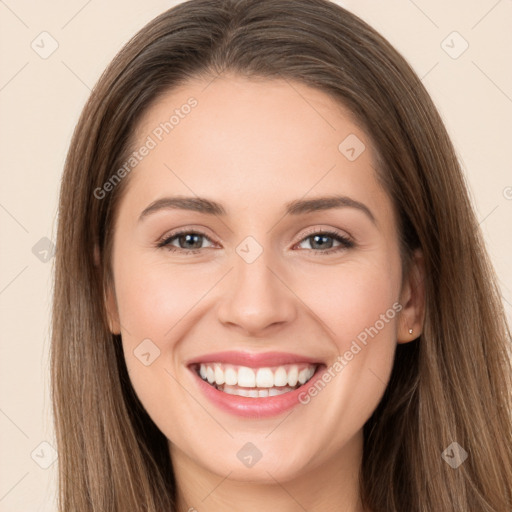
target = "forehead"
x: 270, y: 111
x: 259, y: 142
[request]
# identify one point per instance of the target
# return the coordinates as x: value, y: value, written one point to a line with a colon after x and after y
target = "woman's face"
x: 280, y: 259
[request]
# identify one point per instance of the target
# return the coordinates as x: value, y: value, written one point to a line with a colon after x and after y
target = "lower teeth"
x: 254, y: 392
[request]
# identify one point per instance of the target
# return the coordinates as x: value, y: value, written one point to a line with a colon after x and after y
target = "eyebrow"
x: 297, y: 207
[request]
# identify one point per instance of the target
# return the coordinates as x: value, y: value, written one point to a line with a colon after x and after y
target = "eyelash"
x: 345, y: 242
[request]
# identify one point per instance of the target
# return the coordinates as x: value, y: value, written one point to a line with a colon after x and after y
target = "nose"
x: 257, y: 298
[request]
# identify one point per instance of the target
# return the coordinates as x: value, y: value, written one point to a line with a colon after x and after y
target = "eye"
x: 191, y: 242
x: 322, y: 242
x: 187, y: 241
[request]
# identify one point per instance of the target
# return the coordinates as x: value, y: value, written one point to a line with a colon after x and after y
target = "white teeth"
x: 280, y: 377
x: 264, y: 378
x: 293, y: 376
x: 267, y: 380
x: 230, y: 376
x: 304, y: 375
x: 246, y: 377
x: 255, y: 393
x: 219, y: 375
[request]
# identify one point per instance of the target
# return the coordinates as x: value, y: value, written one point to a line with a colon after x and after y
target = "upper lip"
x: 253, y: 359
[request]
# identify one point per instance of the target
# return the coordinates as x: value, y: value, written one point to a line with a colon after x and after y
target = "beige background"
x: 40, y: 100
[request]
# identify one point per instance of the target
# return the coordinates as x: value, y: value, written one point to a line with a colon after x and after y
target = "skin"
x: 253, y: 146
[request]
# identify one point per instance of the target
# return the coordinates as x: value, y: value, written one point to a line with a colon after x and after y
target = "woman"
x: 333, y: 338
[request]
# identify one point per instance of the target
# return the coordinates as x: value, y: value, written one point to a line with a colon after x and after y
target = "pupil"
x: 189, y: 238
x: 321, y: 245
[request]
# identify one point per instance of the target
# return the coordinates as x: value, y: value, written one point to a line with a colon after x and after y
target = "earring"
x: 410, y: 331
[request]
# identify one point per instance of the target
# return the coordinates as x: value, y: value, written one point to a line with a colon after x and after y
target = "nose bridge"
x: 256, y: 298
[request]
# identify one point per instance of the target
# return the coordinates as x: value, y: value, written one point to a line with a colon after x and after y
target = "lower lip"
x: 263, y: 407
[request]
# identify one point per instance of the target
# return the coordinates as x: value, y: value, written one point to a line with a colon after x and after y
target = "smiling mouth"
x: 255, y: 382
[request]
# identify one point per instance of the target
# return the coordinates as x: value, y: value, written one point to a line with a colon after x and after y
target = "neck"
x: 331, y: 485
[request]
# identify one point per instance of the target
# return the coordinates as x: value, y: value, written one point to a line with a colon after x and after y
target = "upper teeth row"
x: 287, y: 375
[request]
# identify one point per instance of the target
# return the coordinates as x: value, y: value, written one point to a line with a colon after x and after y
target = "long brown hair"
x: 452, y: 384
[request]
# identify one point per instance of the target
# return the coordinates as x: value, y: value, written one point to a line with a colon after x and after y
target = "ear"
x: 109, y: 299
x: 412, y: 298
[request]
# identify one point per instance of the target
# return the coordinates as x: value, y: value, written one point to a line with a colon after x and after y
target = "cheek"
x: 153, y: 306
x: 357, y: 304
x: 153, y: 301
x: 351, y: 298
x: 158, y: 306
